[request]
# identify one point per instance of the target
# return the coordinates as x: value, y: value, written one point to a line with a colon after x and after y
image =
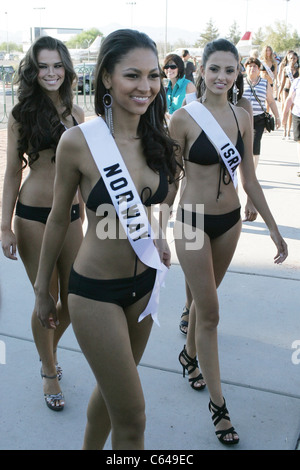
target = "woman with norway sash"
x: 214, y: 137
x: 124, y: 164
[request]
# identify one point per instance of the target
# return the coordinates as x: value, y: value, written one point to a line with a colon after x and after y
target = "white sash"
x: 268, y: 70
x: 215, y: 133
x: 127, y: 203
x: 189, y: 97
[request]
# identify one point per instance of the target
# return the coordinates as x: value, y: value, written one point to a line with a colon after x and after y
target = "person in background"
x: 269, y: 68
x: 290, y: 73
x: 293, y: 102
x: 189, y: 67
x: 258, y: 91
x: 178, y: 86
x: 44, y: 111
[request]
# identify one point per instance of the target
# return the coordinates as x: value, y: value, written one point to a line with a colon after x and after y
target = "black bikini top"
x: 203, y: 152
x: 295, y: 74
x: 99, y: 194
x: 47, y: 141
x: 272, y: 68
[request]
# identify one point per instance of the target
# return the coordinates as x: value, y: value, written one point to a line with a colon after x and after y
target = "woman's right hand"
x: 45, y: 309
x: 9, y: 244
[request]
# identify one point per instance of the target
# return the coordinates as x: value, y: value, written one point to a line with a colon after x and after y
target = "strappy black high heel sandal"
x: 183, y: 323
x: 190, y: 366
x: 219, y: 413
x: 59, y: 370
x: 54, y: 401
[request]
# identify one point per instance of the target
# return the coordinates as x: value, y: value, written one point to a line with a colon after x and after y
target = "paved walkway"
x: 259, y: 338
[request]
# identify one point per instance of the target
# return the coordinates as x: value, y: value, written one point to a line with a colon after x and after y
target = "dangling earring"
x: 107, y: 103
x: 235, y: 92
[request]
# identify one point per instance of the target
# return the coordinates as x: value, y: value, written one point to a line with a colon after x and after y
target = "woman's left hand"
x: 250, y: 212
x: 282, y: 248
x: 278, y: 122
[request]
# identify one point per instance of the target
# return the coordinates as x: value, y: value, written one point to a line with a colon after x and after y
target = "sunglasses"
x: 172, y: 67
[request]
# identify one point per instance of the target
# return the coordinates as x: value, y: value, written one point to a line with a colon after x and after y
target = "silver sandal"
x: 53, y: 399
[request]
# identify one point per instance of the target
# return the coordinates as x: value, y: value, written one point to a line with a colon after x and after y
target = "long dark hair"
x: 35, y: 112
x: 219, y: 45
x: 158, y: 147
x: 240, y: 85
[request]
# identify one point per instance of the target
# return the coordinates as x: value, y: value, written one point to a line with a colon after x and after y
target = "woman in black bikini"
x: 208, y: 183
x: 290, y: 73
x: 269, y: 68
x: 43, y: 113
x: 109, y: 286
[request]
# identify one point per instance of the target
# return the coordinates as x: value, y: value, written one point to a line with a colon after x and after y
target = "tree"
x: 84, y: 39
x: 180, y: 42
x: 296, y: 39
x: 259, y: 38
x: 234, y: 33
x: 208, y: 35
x: 281, y: 39
x: 11, y: 46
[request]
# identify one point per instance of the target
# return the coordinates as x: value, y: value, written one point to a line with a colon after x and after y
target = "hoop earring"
x: 235, y: 93
x: 107, y: 103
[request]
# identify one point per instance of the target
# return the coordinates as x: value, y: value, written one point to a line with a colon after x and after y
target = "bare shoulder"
x: 190, y: 88
x: 180, y: 117
x: 12, y: 124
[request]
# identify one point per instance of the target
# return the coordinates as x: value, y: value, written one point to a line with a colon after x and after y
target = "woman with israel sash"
x: 215, y: 139
x: 124, y: 162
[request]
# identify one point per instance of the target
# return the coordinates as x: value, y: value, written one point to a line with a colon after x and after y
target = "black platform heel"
x: 219, y: 413
x: 190, y: 366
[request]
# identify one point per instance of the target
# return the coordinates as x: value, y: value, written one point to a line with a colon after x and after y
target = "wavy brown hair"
x: 35, y: 112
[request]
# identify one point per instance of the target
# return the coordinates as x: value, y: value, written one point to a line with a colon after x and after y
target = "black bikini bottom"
x: 123, y: 291
x: 40, y: 214
x: 214, y: 225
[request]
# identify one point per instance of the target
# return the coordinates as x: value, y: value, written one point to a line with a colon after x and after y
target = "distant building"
x: 64, y: 34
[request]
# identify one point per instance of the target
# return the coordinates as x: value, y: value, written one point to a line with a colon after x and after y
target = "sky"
x: 191, y: 16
